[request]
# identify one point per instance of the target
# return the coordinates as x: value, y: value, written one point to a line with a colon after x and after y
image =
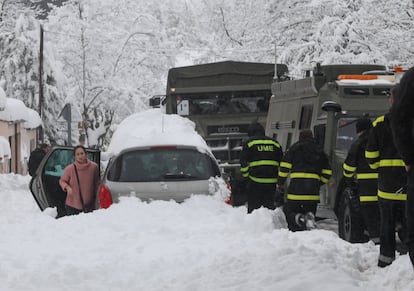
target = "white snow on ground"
x: 201, y: 244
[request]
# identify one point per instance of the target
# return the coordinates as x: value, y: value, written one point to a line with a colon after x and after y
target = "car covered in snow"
x: 152, y: 156
x: 155, y: 156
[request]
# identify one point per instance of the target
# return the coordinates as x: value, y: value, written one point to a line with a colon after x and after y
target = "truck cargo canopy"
x: 227, y: 73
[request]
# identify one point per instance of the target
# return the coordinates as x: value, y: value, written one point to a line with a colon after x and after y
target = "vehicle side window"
x: 52, y: 171
x: 356, y: 91
x: 289, y: 140
x: 115, y: 170
x: 319, y: 131
x: 305, y: 116
x: 58, y: 161
x: 91, y: 156
x: 346, y: 133
x: 215, y: 168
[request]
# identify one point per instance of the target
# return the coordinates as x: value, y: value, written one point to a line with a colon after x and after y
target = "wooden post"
x: 41, y: 97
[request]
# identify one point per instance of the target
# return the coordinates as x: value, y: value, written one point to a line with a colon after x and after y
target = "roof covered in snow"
x: 15, y: 110
x: 151, y: 128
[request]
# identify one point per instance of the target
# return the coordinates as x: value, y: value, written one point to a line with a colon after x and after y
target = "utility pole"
x: 41, y: 97
x: 67, y: 115
x: 275, y: 74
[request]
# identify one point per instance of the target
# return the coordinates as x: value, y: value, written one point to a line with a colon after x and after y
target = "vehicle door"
x: 44, y: 185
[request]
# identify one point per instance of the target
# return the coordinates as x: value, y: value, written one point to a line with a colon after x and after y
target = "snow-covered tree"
x: 107, y: 65
x: 116, y: 54
x: 20, y: 71
x: 10, y: 11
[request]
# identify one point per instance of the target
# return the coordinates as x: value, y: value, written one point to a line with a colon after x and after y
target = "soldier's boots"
x: 310, y: 221
x: 305, y: 221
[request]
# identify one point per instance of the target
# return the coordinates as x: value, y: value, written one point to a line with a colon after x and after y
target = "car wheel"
x: 350, y: 222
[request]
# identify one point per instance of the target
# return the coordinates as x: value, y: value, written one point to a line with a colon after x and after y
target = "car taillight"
x: 105, y: 198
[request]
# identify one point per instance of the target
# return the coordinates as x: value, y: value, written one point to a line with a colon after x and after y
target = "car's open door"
x: 44, y: 185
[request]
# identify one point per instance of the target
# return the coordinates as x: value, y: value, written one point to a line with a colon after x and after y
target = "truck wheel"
x: 350, y: 223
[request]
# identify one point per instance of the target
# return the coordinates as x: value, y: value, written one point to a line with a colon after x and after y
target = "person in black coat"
x: 356, y: 168
x: 402, y: 125
x: 308, y: 168
x: 259, y: 160
x: 36, y: 157
x: 383, y: 156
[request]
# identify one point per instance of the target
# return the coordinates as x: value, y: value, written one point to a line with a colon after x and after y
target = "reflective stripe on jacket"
x: 260, y: 158
x: 383, y: 156
x: 308, y: 168
x: 356, y: 166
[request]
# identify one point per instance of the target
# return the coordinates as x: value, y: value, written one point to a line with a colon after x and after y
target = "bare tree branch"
x: 94, y: 97
x: 226, y: 30
x: 125, y: 44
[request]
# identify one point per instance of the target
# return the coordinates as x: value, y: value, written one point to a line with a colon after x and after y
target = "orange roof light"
x: 357, y: 77
x: 398, y: 69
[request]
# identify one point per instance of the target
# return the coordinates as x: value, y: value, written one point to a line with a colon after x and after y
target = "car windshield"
x: 223, y: 103
x: 162, y: 164
x: 346, y: 133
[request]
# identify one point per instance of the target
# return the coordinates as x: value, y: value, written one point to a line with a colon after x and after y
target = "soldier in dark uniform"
x: 36, y: 157
x: 402, y: 123
x: 382, y: 155
x: 308, y: 167
x: 356, y: 167
x: 259, y: 159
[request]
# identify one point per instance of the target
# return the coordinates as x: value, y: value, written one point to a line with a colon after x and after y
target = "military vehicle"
x: 329, y: 100
x: 223, y: 99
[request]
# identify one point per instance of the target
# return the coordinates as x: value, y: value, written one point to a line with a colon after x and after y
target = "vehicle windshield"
x: 223, y: 103
x: 162, y: 164
x: 346, y: 134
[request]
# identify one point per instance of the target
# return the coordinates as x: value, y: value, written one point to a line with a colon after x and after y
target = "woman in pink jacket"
x: 80, y: 181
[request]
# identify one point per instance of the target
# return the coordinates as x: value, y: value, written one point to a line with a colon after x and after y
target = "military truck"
x: 223, y: 99
x: 329, y: 100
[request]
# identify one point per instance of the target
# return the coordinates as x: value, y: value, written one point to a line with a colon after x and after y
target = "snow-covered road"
x: 202, y: 244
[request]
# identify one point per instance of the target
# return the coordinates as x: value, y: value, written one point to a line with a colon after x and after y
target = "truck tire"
x: 350, y: 222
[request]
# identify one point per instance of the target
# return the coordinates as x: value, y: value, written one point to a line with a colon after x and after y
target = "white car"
x: 157, y: 156
x: 163, y: 172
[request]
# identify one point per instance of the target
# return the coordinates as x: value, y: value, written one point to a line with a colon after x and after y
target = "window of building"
x: 305, y: 116
x: 289, y: 140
